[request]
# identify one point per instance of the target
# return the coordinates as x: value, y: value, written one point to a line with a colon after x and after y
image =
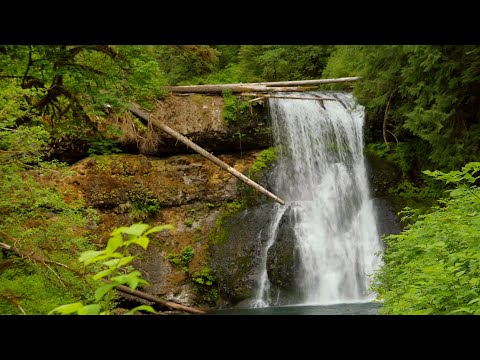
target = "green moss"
x: 189, y: 222
x: 182, y: 260
x: 206, y: 284
x: 263, y: 160
x: 219, y: 233
x: 198, y: 236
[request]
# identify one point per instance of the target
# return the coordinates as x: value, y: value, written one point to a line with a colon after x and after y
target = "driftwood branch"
x: 157, y: 300
x: 276, y: 86
x: 297, y: 97
x: 135, y: 109
x: 311, y: 82
x: 234, y: 88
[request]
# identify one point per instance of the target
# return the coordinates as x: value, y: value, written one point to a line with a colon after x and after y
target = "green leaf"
x: 136, y: 229
x: 131, y: 279
x: 147, y: 308
x: 142, y: 241
x: 103, y: 273
x: 93, y: 309
x: 67, y: 309
x: 103, y: 257
x: 89, y: 256
x: 102, y: 290
x: 119, y: 262
x: 463, y: 309
x: 114, y: 243
x: 422, y: 312
x: 474, y: 301
x: 119, y: 230
x: 474, y: 281
x: 159, y: 228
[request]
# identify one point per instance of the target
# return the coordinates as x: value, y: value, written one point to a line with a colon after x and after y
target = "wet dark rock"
x: 382, y: 174
x: 236, y: 261
x: 283, y: 258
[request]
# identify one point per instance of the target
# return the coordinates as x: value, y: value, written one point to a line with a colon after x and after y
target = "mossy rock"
x: 236, y: 261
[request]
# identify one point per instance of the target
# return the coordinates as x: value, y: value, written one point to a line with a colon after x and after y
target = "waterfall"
x: 321, y: 175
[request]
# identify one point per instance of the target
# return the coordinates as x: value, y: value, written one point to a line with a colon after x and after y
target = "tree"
x: 431, y: 92
x: 68, y: 89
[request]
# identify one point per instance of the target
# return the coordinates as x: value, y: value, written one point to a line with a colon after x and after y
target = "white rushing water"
x: 322, y: 177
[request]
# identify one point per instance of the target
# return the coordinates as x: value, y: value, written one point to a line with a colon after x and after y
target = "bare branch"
x: 30, y: 62
x: 385, y: 122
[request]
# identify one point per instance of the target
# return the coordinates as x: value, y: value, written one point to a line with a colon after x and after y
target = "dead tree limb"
x: 385, y: 116
x: 31, y: 256
x: 297, y: 97
x: 257, y: 87
x: 135, y: 109
x: 152, y: 298
x: 234, y: 88
x: 310, y: 82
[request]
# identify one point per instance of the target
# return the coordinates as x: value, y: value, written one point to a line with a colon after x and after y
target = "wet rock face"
x: 387, y: 219
x: 114, y: 181
x: 283, y: 258
x: 186, y: 191
x: 236, y: 261
x: 384, y: 175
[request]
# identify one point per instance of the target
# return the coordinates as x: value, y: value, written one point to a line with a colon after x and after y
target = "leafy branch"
x: 115, y: 260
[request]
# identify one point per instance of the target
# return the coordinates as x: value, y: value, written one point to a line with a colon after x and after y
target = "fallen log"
x: 276, y: 86
x: 298, y: 97
x: 152, y: 298
x: 234, y: 88
x: 311, y: 82
x: 135, y: 109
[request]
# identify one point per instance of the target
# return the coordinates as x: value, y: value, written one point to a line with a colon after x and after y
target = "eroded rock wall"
x: 186, y: 191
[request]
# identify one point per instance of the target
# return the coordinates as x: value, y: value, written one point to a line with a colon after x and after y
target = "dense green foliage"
x: 206, y: 284
x: 68, y: 90
x: 433, y: 266
x: 244, y: 63
x: 427, y: 94
x: 37, y: 220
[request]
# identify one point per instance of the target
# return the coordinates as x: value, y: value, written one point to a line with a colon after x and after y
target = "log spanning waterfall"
x: 321, y: 175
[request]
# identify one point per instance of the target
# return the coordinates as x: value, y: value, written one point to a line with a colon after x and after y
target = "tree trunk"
x: 310, y: 82
x: 134, y: 108
x: 157, y: 300
x: 234, y: 88
x: 277, y: 86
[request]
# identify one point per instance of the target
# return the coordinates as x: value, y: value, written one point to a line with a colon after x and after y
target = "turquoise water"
x: 366, y: 308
